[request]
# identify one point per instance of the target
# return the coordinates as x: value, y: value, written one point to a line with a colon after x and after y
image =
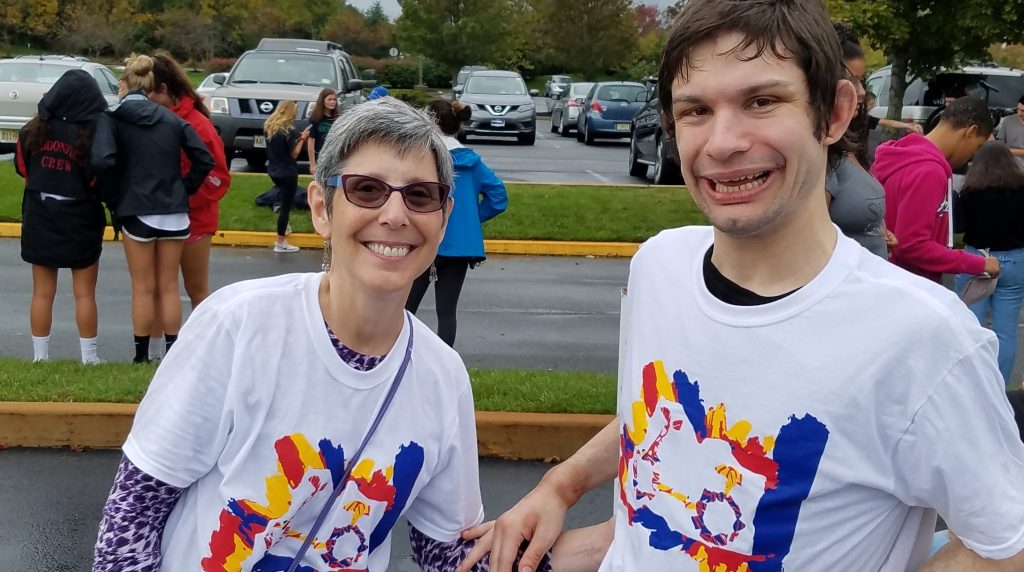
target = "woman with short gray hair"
x: 299, y: 417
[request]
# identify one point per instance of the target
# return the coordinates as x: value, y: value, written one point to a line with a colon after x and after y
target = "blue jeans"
x: 1004, y: 304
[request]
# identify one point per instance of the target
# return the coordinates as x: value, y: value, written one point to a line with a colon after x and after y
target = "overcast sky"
x: 391, y: 6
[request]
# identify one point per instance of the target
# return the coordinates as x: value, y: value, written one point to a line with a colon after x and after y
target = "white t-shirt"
x: 821, y: 431
x: 254, y: 412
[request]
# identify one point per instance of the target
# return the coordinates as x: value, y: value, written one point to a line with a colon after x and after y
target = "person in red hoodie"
x: 176, y: 92
x: 917, y: 173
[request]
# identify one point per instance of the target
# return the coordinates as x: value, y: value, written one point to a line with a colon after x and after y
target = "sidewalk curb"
x: 305, y: 240
x: 521, y: 436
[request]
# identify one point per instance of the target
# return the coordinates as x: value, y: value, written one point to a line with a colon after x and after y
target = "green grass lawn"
x: 536, y: 212
x: 493, y: 389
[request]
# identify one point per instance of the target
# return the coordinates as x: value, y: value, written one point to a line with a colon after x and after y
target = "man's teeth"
x: 388, y: 251
x: 740, y: 184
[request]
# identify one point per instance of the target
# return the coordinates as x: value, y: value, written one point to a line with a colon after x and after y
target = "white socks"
x: 156, y: 348
x: 41, y: 348
x: 88, y: 346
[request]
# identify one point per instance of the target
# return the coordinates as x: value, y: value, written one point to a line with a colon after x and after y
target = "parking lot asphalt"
x: 552, y: 159
x: 559, y: 313
x: 52, y: 501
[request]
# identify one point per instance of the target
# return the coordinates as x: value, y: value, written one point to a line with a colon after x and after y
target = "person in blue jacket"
x: 479, y: 196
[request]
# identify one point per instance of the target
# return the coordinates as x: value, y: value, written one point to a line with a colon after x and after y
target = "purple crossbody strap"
x: 359, y: 452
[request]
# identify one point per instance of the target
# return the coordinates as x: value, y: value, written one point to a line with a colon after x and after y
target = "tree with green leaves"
x: 459, y: 32
x: 593, y: 36
x: 921, y: 37
x: 375, y: 16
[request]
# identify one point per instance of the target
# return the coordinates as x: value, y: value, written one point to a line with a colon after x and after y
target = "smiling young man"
x: 787, y: 400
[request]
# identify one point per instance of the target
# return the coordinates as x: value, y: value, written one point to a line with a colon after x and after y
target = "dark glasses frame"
x: 342, y: 181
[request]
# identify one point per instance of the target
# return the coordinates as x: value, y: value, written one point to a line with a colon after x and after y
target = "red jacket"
x: 202, y: 206
x: 917, y: 180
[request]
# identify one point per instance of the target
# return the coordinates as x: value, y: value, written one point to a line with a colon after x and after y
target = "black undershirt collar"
x: 730, y: 292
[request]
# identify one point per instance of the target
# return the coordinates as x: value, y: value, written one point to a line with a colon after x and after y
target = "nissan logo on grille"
x: 266, y: 107
x: 13, y: 94
x: 498, y: 108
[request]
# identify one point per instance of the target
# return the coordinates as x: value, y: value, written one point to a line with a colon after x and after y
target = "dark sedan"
x: 608, y: 110
x: 649, y: 145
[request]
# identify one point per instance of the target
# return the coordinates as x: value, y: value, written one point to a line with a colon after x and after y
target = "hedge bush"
x: 218, y: 65
x: 415, y: 97
x: 398, y: 75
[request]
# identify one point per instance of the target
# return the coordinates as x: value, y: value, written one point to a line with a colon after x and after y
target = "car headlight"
x: 526, y: 108
x: 309, y: 108
x: 219, y: 105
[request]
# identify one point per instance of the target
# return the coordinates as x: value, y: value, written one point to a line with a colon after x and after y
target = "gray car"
x: 278, y: 70
x: 566, y: 107
x: 502, y: 106
x: 24, y: 80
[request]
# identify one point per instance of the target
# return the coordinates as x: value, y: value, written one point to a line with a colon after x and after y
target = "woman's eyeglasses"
x: 371, y: 193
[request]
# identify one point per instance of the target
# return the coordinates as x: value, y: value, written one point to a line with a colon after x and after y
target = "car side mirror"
x: 579, y: 100
x: 220, y: 78
x: 356, y: 85
x: 641, y: 97
x: 458, y: 89
x: 534, y: 93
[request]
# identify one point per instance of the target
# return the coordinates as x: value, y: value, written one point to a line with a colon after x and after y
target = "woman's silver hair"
x: 385, y: 121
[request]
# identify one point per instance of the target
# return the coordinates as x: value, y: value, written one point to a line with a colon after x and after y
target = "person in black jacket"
x: 137, y: 151
x: 989, y: 211
x: 62, y: 217
x: 284, y: 143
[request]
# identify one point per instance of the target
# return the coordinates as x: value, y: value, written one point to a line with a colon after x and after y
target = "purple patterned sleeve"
x: 133, y: 521
x: 436, y: 556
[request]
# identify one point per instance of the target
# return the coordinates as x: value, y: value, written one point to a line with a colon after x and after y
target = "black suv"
x: 279, y: 69
x: 649, y: 144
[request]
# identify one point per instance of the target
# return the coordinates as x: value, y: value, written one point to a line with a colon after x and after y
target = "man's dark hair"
x: 1021, y: 101
x: 966, y: 111
x: 796, y: 29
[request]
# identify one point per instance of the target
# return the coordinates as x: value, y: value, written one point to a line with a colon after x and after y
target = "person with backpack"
x: 479, y: 196
x: 284, y: 144
x: 137, y: 152
x: 325, y: 111
x: 175, y: 92
x: 62, y: 216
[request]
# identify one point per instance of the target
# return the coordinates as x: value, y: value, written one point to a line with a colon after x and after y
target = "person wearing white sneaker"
x: 284, y: 144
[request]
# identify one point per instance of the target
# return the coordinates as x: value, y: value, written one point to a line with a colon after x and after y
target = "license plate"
x: 622, y: 126
x: 497, y: 123
x: 8, y: 136
x: 259, y: 141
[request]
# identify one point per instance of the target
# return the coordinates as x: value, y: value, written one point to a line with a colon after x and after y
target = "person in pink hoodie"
x: 917, y: 173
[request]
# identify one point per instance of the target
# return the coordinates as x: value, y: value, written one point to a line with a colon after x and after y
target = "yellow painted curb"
x: 305, y: 240
x: 527, y: 436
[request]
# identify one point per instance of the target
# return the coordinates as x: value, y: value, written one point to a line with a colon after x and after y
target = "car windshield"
x: 581, y: 89
x: 560, y: 79
x: 619, y: 92
x: 289, y: 69
x: 494, y: 85
x: 25, y: 72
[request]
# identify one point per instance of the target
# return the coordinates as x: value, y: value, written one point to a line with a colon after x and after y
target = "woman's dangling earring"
x: 433, y: 273
x: 326, y: 264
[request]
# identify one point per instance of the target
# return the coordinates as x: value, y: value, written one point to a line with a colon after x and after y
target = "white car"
x: 25, y: 79
x: 207, y: 86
